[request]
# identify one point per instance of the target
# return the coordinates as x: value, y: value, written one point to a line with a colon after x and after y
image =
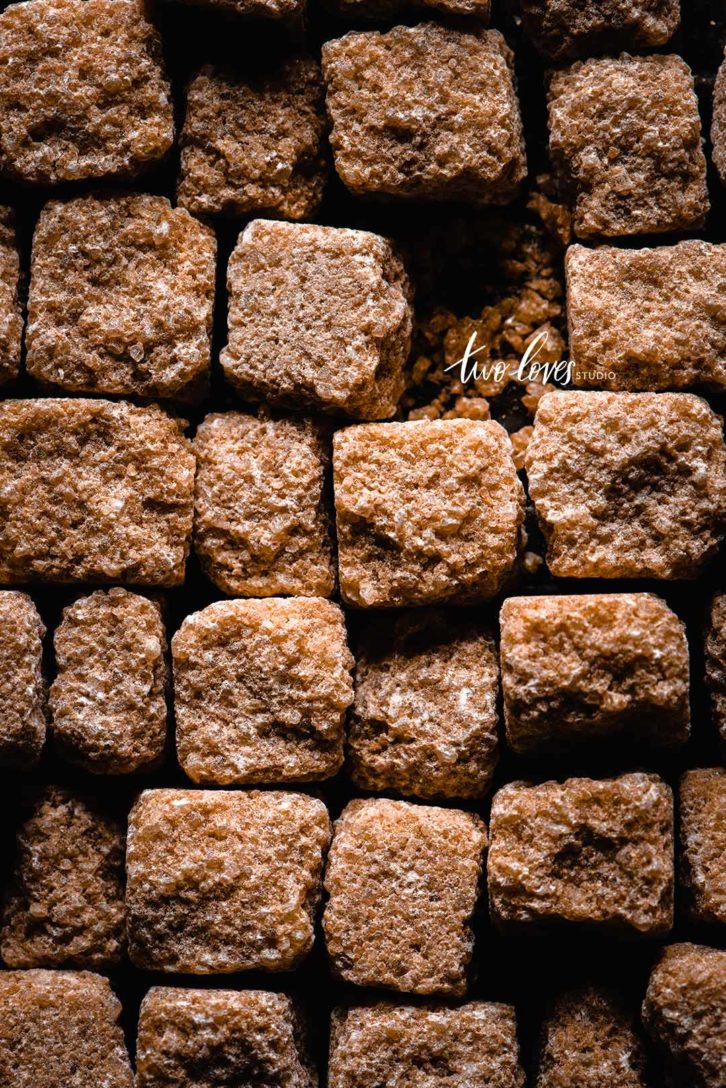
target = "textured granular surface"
x: 253, y: 145
x: 221, y: 881
x: 715, y: 654
x: 83, y: 93
x: 425, y: 112
x: 598, y: 853
x: 64, y: 905
x: 647, y: 318
x: 11, y: 317
x: 592, y: 669
x: 353, y: 10
x: 685, y: 1012
x: 426, y: 1046
x: 427, y: 511
x: 318, y: 317
x: 628, y: 485
x: 718, y: 124
x: 262, y: 519
x: 109, y: 695
x: 625, y: 142
x: 424, y: 721
x: 287, y: 11
x: 573, y: 28
x: 221, y: 1039
x: 261, y: 688
x: 93, y: 491
x: 59, y: 1029
x: 121, y: 297
x: 22, y: 690
x: 590, y: 1040
x: 402, y: 882
x: 703, y: 839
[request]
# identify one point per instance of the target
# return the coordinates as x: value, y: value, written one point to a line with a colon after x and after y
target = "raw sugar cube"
x: 582, y: 28
x: 22, y: 690
x: 389, y: 9
x: 715, y: 654
x: 702, y: 798
x: 11, y: 316
x: 718, y: 123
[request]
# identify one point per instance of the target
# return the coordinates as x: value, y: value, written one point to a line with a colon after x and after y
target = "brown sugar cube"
x: 121, y: 297
x: 628, y: 485
x: 83, y: 93
x: 625, y: 144
x: 427, y: 511
x: 590, y: 1039
x: 11, y: 317
x: 424, y: 721
x: 221, y: 1039
x: 718, y: 123
x: 224, y: 880
x: 592, y: 670
x: 254, y: 144
x: 261, y: 689
x: 64, y: 906
x: 389, y: 9
x: 93, y: 491
x: 715, y: 654
x: 59, y: 1029
x: 703, y: 840
x: 647, y: 318
x: 591, y: 852
x: 262, y: 525
x: 22, y: 691
x: 108, y: 697
x: 403, y: 882
x: 685, y: 1012
x: 341, y: 293
x: 582, y: 28
x: 425, y: 112
x: 473, y: 1045
x: 286, y: 11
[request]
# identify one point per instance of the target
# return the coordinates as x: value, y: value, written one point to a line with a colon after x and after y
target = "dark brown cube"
x: 715, y: 653
x: 582, y: 28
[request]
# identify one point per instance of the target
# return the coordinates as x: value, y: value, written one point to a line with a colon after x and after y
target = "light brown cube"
x: 593, y: 670
x: 628, y: 485
x: 262, y: 523
x: 647, y: 319
x: 121, y: 297
x: 253, y: 144
x: 223, y: 881
x: 319, y: 317
x: 424, y: 721
x: 64, y: 904
x: 625, y: 145
x: 22, y: 690
x: 219, y: 1038
x: 427, y: 512
x: 402, y: 882
x: 582, y: 28
x: 109, y: 695
x: 703, y: 841
x: 83, y: 93
x: 594, y: 853
x: 11, y: 316
x: 715, y: 654
x: 93, y: 491
x: 261, y: 689
x: 718, y: 123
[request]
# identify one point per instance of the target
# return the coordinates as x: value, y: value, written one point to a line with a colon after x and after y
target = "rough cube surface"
x: 428, y: 511
x: 261, y: 690
x: 387, y: 9
x: 628, y: 485
x: 625, y: 143
x: 59, y: 1029
x: 424, y: 721
x: 715, y: 654
x: 647, y: 318
x: 419, y: 1047
x: 285, y: 10
x: 594, y: 852
x: 685, y: 1012
x: 589, y: 1039
x: 220, y: 1039
x: 718, y: 124
x: 83, y: 93
x: 121, y: 296
x: 109, y: 695
x: 262, y: 524
x: 593, y: 669
x: 425, y: 112
x: 93, y: 491
x: 318, y: 317
x: 11, y: 317
x: 703, y: 839
x: 254, y: 145
x: 22, y: 692
x: 64, y: 906
x: 402, y: 882
x: 221, y: 881
x: 582, y: 28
